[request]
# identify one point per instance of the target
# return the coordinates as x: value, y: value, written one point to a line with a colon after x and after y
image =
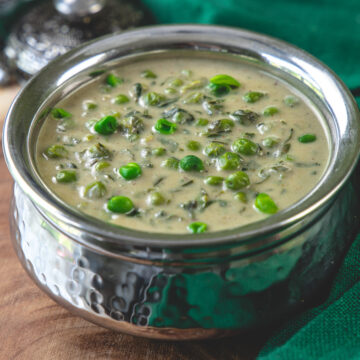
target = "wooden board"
x: 32, y: 326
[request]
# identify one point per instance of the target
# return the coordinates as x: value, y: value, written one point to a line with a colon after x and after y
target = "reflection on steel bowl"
x: 182, y: 286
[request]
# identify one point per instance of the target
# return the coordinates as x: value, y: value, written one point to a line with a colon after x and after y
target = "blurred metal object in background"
x: 50, y: 29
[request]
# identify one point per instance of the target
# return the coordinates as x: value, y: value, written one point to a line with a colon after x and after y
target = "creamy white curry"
x: 180, y: 144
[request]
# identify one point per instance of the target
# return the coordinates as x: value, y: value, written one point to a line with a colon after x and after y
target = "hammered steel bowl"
x: 184, y: 286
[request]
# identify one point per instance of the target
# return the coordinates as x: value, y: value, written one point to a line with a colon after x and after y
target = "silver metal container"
x: 184, y: 286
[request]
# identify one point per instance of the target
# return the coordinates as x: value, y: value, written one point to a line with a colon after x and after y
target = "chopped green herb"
x: 55, y: 152
x: 95, y: 190
x: 121, y: 99
x: 165, y: 127
x: 213, y: 107
x: 66, y: 176
x: 218, y: 90
x: 59, y: 113
x: 245, y: 117
x: 197, y: 84
x: 106, y: 126
x: 178, y: 115
x: 201, y: 122
x: 252, y: 96
x: 225, y: 80
x: 148, y: 74
x: 214, y: 180
x: 171, y: 163
x: 153, y: 99
x: 194, y: 98
x: 113, y: 80
x: 131, y: 124
x: 197, y: 227
x: 98, y: 151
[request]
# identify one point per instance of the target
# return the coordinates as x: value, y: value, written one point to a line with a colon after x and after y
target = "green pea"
x: 237, y: 180
x: 214, y: 149
x: 223, y: 79
x: 148, y: 74
x: 160, y: 151
x: 253, y: 96
x: 201, y: 122
x: 171, y: 163
x: 121, y: 99
x: 307, y: 138
x: 101, y: 165
x: 191, y: 163
x: 153, y: 99
x: 197, y: 227
x: 291, y: 100
x: 106, y: 126
x: 66, y: 176
x: 130, y: 171
x: 59, y: 113
x: 89, y: 105
x: 193, y: 145
x: 218, y: 90
x: 95, y: 190
x: 244, y: 146
x: 120, y: 204
x: 214, y: 180
x: 265, y: 204
x: 56, y: 152
x: 270, y: 142
x: 165, y: 127
x: 270, y: 111
x: 176, y: 82
x: 241, y: 196
x: 156, y: 198
x: 229, y: 161
x: 113, y: 80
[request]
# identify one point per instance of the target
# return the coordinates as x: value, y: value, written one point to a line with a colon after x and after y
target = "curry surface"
x: 283, y: 168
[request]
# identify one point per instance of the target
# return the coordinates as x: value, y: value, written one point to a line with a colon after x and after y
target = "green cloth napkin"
x: 330, y: 30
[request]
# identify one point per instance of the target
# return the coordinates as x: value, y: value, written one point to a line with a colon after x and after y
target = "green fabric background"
x: 330, y: 30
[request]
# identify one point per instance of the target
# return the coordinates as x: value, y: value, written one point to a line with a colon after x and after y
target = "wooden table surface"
x: 32, y: 326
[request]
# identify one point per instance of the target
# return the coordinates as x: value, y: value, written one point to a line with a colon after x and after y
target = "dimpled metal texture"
x: 172, y: 302
x: 183, y: 287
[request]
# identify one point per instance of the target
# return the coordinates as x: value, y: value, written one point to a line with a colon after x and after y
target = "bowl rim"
x: 78, y: 223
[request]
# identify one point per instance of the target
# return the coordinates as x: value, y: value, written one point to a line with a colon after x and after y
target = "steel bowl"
x: 184, y: 286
